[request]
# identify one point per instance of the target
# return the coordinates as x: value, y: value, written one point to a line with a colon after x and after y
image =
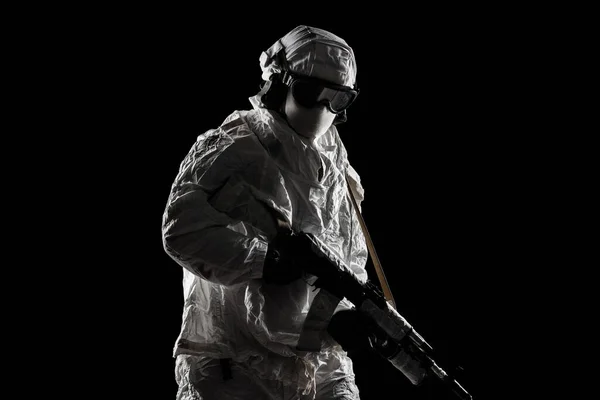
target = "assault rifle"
x: 393, y: 336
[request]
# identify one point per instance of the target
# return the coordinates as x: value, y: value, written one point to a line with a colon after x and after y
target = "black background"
x: 434, y: 134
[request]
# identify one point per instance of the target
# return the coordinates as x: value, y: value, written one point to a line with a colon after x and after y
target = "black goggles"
x: 309, y: 92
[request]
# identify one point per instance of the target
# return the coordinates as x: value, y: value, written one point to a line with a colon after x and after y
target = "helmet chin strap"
x: 265, y: 88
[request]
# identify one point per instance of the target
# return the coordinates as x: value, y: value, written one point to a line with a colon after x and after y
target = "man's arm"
x: 197, y: 236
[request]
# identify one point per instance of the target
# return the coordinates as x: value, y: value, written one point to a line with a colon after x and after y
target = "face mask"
x: 307, y: 122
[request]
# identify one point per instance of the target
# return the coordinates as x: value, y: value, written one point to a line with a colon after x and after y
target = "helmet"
x: 310, y: 53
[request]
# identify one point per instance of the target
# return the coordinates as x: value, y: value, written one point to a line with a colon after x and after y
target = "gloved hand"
x: 290, y: 254
x: 359, y: 334
x: 283, y: 262
x: 351, y: 330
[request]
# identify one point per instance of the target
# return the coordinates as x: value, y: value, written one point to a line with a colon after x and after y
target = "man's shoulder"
x: 234, y: 121
x: 233, y: 125
x: 237, y: 125
x: 234, y: 134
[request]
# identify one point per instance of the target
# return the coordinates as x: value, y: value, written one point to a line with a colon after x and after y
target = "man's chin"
x: 311, y: 133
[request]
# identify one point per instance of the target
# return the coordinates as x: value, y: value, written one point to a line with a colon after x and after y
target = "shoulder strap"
x: 378, y: 268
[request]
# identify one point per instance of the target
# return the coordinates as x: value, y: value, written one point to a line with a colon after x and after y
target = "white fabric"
x: 217, y: 224
x: 201, y: 378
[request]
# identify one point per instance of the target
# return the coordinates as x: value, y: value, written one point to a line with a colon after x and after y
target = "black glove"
x: 351, y: 330
x: 283, y: 262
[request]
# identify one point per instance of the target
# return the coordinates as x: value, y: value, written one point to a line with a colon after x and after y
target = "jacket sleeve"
x: 197, y: 236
